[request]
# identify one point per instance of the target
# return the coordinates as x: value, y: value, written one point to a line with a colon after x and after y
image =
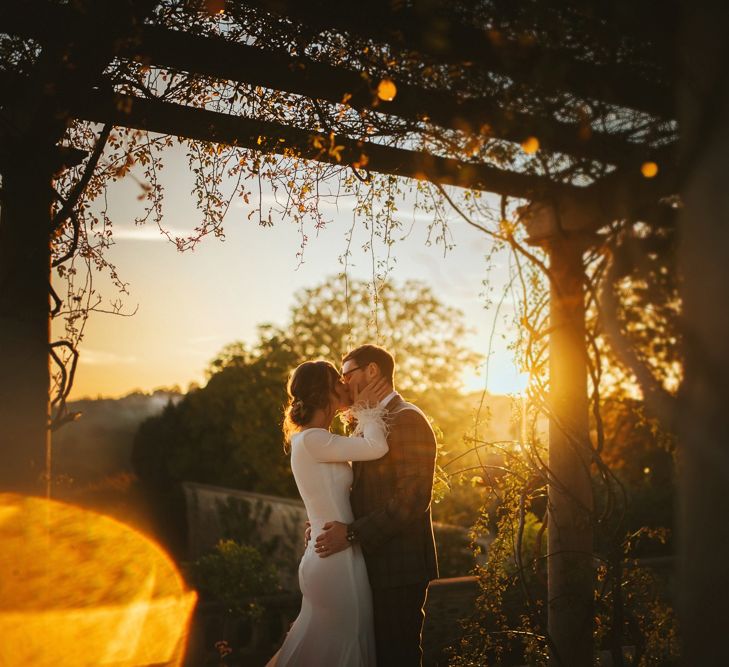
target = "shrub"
x: 235, y: 574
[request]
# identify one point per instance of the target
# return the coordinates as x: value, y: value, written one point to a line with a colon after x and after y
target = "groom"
x: 391, y: 503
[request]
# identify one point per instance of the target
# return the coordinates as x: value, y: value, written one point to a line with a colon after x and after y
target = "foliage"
x: 509, y: 621
x: 631, y: 463
x: 423, y: 334
x: 634, y: 606
x: 227, y: 433
x: 234, y: 574
x: 455, y: 556
x: 640, y: 301
x: 245, y: 521
x: 241, y: 521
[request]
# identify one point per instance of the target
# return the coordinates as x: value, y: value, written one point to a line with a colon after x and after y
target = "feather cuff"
x: 362, y: 416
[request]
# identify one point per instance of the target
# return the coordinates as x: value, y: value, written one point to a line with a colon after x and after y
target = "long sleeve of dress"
x: 328, y: 447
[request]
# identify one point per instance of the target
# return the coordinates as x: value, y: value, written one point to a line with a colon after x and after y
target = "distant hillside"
x: 99, y: 444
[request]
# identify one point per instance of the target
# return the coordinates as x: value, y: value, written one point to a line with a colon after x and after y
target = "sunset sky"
x: 189, y: 305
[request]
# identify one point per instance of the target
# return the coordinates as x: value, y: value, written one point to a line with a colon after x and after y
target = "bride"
x: 335, y: 626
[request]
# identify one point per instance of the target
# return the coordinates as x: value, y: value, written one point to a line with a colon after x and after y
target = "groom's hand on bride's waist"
x: 332, y: 540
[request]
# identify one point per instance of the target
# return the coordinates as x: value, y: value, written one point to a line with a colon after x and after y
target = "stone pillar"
x: 570, y: 568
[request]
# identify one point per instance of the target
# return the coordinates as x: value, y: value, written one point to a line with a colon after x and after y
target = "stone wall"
x: 276, y: 524
x: 449, y: 602
x: 273, y: 524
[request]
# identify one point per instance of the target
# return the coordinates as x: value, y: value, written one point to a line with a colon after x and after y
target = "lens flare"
x: 81, y: 589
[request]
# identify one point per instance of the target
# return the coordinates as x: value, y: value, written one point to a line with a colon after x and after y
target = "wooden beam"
x: 267, y: 137
x: 439, y: 35
x: 223, y: 59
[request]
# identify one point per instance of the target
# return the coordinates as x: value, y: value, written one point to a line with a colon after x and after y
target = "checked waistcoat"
x: 391, y: 499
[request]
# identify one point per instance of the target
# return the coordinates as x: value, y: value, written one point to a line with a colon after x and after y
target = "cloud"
x: 105, y: 358
x: 146, y: 233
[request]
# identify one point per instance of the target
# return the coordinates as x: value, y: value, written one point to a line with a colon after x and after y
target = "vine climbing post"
x: 570, y: 570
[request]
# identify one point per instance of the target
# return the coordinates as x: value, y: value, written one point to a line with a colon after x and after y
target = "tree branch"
x: 78, y: 189
x: 657, y: 399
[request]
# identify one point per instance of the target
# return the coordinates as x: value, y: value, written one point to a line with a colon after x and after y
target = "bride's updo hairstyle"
x: 310, y: 388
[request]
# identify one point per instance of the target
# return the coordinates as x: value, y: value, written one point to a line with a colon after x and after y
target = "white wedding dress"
x: 335, y: 627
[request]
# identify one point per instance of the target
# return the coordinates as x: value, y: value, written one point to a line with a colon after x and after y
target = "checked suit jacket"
x: 391, y: 500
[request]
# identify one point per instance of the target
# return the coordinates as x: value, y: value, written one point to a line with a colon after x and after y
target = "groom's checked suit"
x: 391, y: 500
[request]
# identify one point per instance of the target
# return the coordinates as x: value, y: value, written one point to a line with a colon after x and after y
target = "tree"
x: 422, y: 333
x: 228, y: 433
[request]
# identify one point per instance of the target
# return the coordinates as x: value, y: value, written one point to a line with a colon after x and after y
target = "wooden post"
x: 84, y: 40
x: 570, y: 568
x: 703, y: 422
x: 24, y: 316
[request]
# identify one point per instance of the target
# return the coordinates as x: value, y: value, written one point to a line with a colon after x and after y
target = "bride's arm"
x: 331, y: 448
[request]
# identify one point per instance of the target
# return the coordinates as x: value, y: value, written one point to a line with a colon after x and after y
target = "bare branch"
x: 79, y: 188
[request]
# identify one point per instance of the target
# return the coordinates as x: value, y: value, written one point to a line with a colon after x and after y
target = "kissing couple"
x: 370, y: 552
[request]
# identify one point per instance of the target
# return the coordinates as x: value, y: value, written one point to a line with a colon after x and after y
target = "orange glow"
x: 495, y: 37
x: 362, y: 162
x: 79, y: 588
x: 530, y: 145
x: 649, y: 169
x: 215, y: 6
x: 585, y: 131
x: 386, y: 90
x: 474, y: 146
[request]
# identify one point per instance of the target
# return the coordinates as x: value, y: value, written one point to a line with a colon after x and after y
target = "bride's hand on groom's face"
x: 372, y: 394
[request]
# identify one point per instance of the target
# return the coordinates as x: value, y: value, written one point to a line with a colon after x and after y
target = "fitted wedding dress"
x: 335, y: 627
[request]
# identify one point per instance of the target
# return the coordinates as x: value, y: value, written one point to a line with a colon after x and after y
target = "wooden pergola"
x: 69, y: 79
